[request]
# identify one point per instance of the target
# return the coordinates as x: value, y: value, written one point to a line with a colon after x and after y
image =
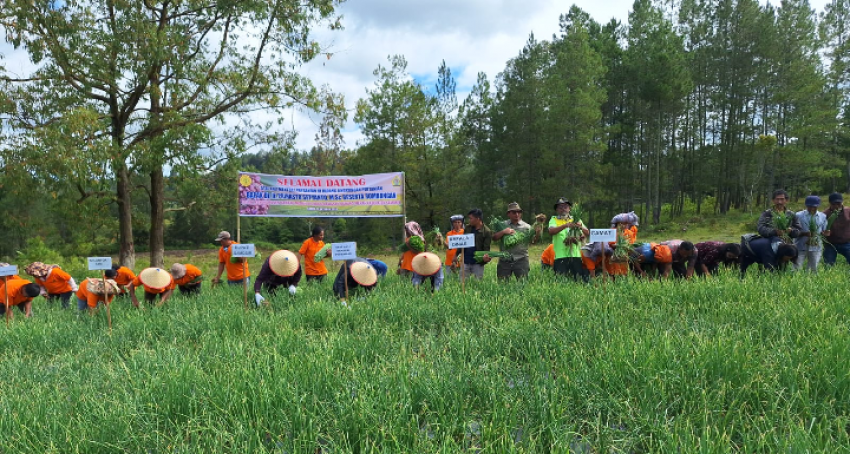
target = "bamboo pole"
x: 6, y: 299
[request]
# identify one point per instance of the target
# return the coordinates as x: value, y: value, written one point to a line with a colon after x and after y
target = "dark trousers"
x: 318, y: 278
x: 571, y: 267
x: 190, y: 289
x: 65, y: 298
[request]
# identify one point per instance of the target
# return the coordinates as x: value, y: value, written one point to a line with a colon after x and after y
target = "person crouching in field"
x: 361, y: 276
x: 649, y: 255
x: 124, y: 277
x: 55, y: 283
x: 20, y: 293
x: 187, y: 278
x: 155, y: 282
x: 315, y: 270
x: 810, y: 242
x: 281, y: 269
x: 591, y: 258
x: 771, y: 253
x: 714, y: 254
x: 457, y: 229
x: 547, y: 258
x: 427, y: 265
x: 94, y: 290
x: 684, y: 256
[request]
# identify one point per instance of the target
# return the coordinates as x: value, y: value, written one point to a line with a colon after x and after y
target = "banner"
x: 379, y: 195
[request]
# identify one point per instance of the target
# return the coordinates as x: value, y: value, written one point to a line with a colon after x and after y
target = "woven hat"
x: 283, y: 263
x: 97, y: 287
x: 178, y: 270
x: 363, y: 273
x: 38, y: 269
x: 155, y: 278
x: 426, y: 264
x: 223, y: 235
x: 514, y: 207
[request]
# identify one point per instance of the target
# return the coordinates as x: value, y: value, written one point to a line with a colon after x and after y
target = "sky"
x: 472, y: 36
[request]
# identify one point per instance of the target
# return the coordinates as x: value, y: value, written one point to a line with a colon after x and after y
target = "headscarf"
x: 629, y: 218
x: 39, y: 270
x: 412, y: 229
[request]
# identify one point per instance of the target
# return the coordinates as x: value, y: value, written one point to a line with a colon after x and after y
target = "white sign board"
x: 100, y: 263
x: 344, y: 251
x: 243, y: 250
x: 461, y: 241
x: 603, y: 235
x: 10, y: 270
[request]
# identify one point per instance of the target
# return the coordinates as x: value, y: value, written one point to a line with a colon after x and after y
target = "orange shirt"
x: 124, y: 277
x: 235, y: 271
x: 90, y: 298
x: 407, y: 260
x: 137, y: 282
x: 192, y: 273
x: 14, y: 288
x: 56, y: 282
x: 309, y: 249
x: 663, y: 254
x: 450, y: 254
x: 548, y: 256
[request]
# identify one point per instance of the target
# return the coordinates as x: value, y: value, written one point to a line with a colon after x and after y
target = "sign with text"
x: 10, y: 270
x: 603, y: 235
x: 461, y: 241
x: 243, y: 250
x: 344, y: 251
x: 100, y: 263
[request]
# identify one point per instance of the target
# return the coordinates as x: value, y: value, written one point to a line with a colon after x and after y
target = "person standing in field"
x: 483, y: 240
x: 567, y: 238
x: 713, y: 254
x: 838, y: 235
x: 187, y: 278
x: 518, y: 264
x: 281, y: 269
x: 55, y: 283
x: 771, y: 253
x: 414, y: 242
x: 96, y: 290
x: 124, y: 277
x: 684, y: 256
x: 457, y: 229
x: 21, y: 293
x: 315, y: 270
x: 810, y: 242
x: 155, y: 282
x: 238, y: 272
x: 547, y: 258
x: 768, y: 224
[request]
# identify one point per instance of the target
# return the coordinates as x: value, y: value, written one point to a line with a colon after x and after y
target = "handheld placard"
x: 462, y: 242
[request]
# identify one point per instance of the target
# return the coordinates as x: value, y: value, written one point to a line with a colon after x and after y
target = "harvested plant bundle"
x: 479, y: 255
x: 322, y: 253
x: 781, y: 221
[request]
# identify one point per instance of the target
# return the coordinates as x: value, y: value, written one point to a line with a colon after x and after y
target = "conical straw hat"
x: 94, y: 285
x: 283, y: 263
x: 155, y: 278
x: 426, y: 264
x: 363, y: 273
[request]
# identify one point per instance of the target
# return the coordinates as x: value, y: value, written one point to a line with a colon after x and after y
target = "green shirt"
x: 561, y: 249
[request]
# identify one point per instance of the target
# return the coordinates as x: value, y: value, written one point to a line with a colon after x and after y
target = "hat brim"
x: 283, y: 263
x: 363, y: 273
x: 155, y: 278
x: 426, y: 264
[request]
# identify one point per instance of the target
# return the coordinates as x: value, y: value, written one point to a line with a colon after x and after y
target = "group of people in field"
x: 783, y: 237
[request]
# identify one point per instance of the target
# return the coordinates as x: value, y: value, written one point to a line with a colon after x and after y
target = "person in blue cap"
x: 810, y: 242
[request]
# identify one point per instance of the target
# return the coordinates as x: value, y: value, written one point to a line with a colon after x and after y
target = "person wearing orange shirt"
x: 92, y: 291
x: 20, y: 293
x: 405, y: 262
x: 124, y: 276
x: 237, y: 268
x: 156, y: 282
x: 315, y: 271
x: 187, y: 278
x: 457, y: 229
x: 547, y: 258
x: 55, y: 283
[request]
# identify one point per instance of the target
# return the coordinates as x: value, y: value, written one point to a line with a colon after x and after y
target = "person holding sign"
x: 237, y: 267
x: 96, y: 290
x: 281, y: 269
x: 567, y: 237
x: 361, y: 275
x: 21, y: 293
x: 315, y: 270
x: 55, y: 283
x: 156, y: 282
x: 123, y: 277
x: 187, y: 278
x: 483, y: 239
x: 518, y: 264
x: 457, y: 229
x: 427, y: 265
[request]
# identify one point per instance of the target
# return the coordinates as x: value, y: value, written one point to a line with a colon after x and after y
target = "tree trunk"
x: 127, y: 249
x: 157, y: 234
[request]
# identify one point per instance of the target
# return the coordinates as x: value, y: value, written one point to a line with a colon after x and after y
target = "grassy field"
x: 540, y: 366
